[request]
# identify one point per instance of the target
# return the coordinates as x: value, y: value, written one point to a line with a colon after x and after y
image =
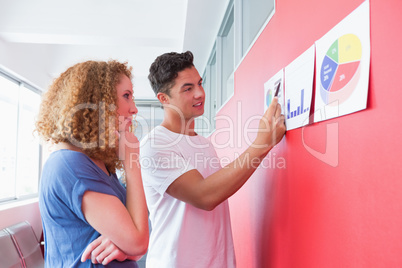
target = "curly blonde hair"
x: 80, y: 108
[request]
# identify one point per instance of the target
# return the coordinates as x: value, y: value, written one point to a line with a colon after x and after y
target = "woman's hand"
x: 103, y: 251
x: 128, y: 148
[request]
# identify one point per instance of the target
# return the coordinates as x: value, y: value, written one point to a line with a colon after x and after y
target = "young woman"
x: 88, y: 218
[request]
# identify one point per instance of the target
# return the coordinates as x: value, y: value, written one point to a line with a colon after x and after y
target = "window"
x: 241, y: 25
x: 227, y: 49
x: 28, y: 150
x: 212, y: 90
x: 20, y: 152
x: 8, y: 142
x: 205, y: 124
x: 150, y: 114
x: 254, y: 15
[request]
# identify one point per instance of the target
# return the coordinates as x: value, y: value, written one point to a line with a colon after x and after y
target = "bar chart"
x: 299, y: 75
x: 299, y: 110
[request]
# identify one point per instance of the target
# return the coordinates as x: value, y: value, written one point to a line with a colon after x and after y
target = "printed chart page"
x: 299, y: 77
x: 343, y: 62
x: 269, y: 91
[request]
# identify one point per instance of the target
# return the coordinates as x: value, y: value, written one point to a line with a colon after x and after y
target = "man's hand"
x: 271, y: 128
x: 103, y: 251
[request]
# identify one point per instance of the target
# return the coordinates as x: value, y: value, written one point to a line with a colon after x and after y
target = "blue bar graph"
x: 300, y: 109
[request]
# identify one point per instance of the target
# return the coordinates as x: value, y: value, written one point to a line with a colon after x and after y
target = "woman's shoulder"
x: 63, y: 162
x: 70, y: 168
x: 65, y: 156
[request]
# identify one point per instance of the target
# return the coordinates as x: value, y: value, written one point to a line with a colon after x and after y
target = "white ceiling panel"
x: 136, y: 31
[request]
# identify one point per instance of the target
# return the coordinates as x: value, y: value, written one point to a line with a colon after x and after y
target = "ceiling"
x: 136, y: 31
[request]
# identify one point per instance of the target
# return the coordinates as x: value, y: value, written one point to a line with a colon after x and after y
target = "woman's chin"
x: 124, y: 129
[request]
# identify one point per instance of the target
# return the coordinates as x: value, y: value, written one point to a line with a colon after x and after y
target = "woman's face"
x: 125, y: 104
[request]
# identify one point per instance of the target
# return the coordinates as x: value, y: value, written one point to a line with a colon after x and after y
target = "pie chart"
x: 340, y: 69
x: 268, y: 97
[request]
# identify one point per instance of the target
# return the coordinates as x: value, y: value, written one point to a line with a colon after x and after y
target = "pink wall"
x: 28, y: 211
x: 311, y: 214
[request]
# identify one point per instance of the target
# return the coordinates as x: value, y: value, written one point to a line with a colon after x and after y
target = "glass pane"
x: 201, y: 122
x: 212, y: 91
x: 207, y: 89
x: 254, y: 13
x: 148, y: 117
x: 8, y: 141
x: 227, y: 62
x: 27, y: 173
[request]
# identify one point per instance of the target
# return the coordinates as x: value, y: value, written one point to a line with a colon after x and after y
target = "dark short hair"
x: 165, y: 68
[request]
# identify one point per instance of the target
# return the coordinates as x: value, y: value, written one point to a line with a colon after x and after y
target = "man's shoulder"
x: 158, y: 139
x: 157, y: 134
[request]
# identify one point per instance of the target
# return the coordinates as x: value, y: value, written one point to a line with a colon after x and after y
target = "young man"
x: 186, y: 189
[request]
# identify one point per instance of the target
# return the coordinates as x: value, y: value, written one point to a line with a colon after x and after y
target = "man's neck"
x: 185, y: 127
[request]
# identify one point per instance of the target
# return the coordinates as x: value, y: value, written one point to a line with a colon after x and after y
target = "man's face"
x: 187, y: 96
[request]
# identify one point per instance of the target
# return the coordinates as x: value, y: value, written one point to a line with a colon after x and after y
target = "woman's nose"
x: 133, y: 108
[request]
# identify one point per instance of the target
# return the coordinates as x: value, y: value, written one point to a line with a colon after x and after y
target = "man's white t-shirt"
x: 182, y: 235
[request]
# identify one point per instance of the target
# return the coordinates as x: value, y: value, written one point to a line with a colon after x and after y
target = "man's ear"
x: 163, y: 98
